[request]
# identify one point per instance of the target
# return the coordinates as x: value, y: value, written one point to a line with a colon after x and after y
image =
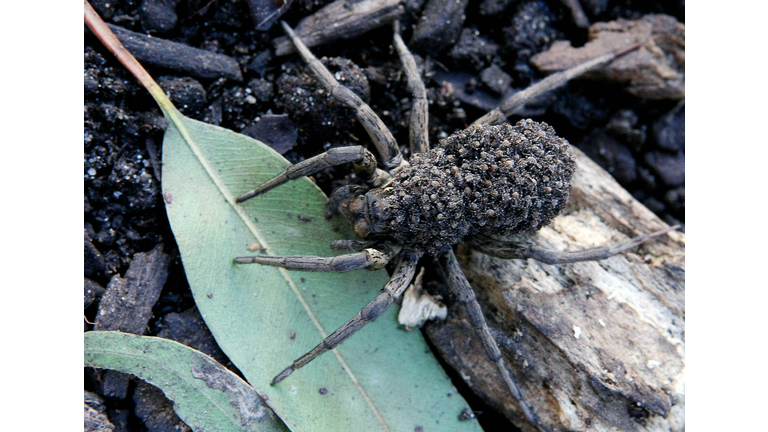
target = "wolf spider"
x: 479, y: 184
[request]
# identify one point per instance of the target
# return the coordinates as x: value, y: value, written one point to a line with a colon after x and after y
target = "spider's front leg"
x: 373, y: 258
x: 362, y: 160
x: 381, y: 136
x: 399, y: 281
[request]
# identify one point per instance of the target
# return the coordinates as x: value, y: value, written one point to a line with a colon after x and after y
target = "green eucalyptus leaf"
x: 381, y: 378
x: 206, y: 395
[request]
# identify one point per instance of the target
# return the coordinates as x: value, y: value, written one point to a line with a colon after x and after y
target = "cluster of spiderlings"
x: 491, y: 180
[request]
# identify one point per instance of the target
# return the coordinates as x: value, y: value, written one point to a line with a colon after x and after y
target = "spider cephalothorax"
x: 478, y: 185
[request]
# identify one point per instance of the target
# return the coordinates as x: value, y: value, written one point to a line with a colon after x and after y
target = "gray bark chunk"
x: 178, y: 57
x: 127, y: 306
x: 340, y: 20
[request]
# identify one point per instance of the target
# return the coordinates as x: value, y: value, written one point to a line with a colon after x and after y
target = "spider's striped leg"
x: 459, y: 285
x: 524, y: 250
x: 363, y: 162
x: 420, y: 107
x: 370, y: 258
x: 382, y: 138
x: 554, y: 81
x: 392, y: 290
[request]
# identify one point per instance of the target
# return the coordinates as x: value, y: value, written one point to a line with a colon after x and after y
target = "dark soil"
x: 641, y: 142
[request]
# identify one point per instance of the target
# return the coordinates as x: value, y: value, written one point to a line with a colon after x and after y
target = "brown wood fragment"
x: 342, y: 19
x: 127, y: 306
x: 592, y: 345
x: 655, y: 71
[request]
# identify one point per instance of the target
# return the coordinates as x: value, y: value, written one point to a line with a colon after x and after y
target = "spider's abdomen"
x: 491, y: 180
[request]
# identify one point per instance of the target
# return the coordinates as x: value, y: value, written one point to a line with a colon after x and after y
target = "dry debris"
x: 655, y: 71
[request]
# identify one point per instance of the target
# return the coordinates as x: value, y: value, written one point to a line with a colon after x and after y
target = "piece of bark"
x: 655, y: 71
x: 178, y: 57
x: 96, y: 419
x: 342, y: 19
x: 595, y: 345
x: 127, y: 306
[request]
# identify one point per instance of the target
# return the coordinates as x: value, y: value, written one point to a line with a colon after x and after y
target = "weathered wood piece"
x: 655, y: 71
x: 592, y: 345
x: 178, y: 57
x: 342, y: 19
x: 127, y: 306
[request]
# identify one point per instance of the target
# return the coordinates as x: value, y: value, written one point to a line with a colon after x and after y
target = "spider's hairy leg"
x: 419, y: 106
x: 370, y: 258
x: 382, y: 138
x: 524, y: 250
x: 363, y: 161
x: 402, y: 276
x: 459, y: 285
x: 552, y: 82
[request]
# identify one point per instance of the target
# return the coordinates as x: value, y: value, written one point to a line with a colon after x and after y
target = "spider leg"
x: 363, y: 161
x: 459, y: 285
x: 351, y: 245
x: 382, y: 138
x: 420, y: 107
x: 521, y: 250
x: 556, y: 80
x: 392, y: 290
x: 370, y: 258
